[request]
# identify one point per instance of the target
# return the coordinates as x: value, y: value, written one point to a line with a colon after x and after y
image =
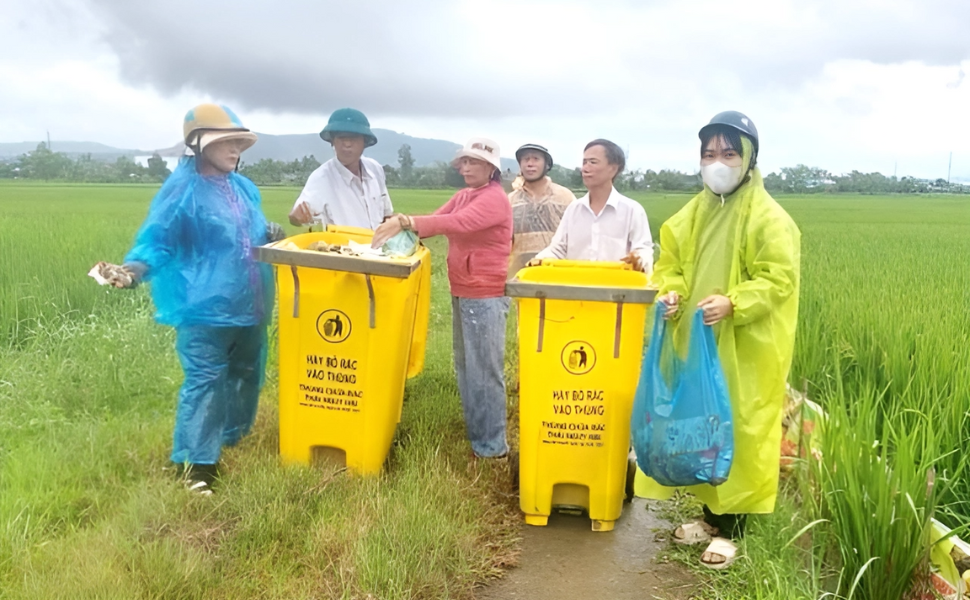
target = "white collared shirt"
x: 620, y: 228
x: 336, y: 196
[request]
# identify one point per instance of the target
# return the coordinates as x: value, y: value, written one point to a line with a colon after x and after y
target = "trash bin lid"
x: 387, y: 267
x: 558, y: 291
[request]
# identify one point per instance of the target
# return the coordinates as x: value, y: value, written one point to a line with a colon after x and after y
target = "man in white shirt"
x: 604, y: 224
x: 349, y: 189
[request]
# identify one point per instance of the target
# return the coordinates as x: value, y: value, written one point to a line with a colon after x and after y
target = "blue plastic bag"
x: 682, y: 428
x: 403, y: 244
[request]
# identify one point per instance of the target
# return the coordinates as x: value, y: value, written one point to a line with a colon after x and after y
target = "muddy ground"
x: 566, y: 559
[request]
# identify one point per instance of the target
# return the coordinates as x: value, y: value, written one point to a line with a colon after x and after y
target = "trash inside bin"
x: 352, y: 328
x: 580, y: 347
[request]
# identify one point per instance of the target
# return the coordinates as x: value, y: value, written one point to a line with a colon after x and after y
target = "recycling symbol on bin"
x: 333, y: 326
x: 578, y: 357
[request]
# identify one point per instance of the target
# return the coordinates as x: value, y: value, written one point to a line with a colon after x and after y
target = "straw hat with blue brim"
x: 208, y: 123
x: 348, y: 121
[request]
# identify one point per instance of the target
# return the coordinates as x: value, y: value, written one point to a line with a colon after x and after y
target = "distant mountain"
x: 277, y: 147
x: 15, y: 149
x: 295, y: 146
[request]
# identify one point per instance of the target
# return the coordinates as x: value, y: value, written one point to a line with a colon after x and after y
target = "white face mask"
x: 720, y: 177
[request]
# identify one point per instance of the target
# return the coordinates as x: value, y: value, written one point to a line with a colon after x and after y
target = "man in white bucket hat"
x: 478, y: 224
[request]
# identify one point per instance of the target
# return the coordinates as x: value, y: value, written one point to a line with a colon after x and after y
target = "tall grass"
x: 87, y: 387
x: 51, y: 235
x: 89, y: 506
x: 879, y: 488
x: 880, y: 293
x: 884, y: 344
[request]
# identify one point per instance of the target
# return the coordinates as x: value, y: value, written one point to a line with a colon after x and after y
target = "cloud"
x: 827, y: 81
x: 504, y: 58
x: 415, y: 58
x: 959, y: 80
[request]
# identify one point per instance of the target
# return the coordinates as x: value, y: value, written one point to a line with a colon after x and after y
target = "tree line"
x: 46, y: 165
x: 43, y: 164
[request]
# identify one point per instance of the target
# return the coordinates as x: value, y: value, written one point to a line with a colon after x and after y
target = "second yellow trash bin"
x: 580, y: 346
x: 351, y: 330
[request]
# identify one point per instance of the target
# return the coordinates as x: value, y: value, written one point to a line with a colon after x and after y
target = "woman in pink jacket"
x: 478, y: 224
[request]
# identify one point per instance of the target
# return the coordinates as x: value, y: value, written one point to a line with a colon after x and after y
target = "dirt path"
x: 567, y: 560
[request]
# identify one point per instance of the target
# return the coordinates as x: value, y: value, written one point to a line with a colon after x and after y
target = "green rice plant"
x: 778, y: 557
x: 878, y: 489
x: 882, y: 287
x: 90, y: 508
x: 87, y: 386
x: 52, y: 234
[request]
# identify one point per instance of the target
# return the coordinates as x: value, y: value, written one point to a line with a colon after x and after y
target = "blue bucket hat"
x: 348, y: 120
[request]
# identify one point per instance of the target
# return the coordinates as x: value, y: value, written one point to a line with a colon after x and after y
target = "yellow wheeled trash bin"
x: 580, y: 347
x: 351, y: 330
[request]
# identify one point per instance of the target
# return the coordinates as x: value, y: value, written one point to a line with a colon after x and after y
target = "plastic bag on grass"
x: 682, y: 427
x: 799, y: 436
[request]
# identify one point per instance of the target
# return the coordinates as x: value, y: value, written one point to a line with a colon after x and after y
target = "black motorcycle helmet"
x: 734, y: 120
x: 537, y: 148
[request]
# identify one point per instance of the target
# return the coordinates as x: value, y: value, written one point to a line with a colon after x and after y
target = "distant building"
x: 170, y: 161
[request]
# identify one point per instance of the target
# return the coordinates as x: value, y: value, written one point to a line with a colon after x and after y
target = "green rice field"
x: 89, y: 507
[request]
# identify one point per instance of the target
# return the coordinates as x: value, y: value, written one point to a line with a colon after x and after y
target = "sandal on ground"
x: 695, y: 532
x: 721, y: 547
x: 198, y: 479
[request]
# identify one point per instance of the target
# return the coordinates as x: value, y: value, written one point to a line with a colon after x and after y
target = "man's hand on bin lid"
x: 301, y: 215
x: 633, y: 259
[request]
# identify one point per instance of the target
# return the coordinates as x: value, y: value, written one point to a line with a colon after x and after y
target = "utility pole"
x: 49, y: 141
x: 948, y: 170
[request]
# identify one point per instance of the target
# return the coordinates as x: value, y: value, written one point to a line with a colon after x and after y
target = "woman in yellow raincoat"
x: 734, y: 253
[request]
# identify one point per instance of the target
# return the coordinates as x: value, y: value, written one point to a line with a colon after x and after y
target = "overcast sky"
x: 840, y: 84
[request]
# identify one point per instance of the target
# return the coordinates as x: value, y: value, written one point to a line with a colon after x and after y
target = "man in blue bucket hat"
x: 349, y: 189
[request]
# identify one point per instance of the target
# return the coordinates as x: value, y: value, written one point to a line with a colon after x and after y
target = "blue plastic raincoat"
x: 746, y: 247
x: 196, y: 243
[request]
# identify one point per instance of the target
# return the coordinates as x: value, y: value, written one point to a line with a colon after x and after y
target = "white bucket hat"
x: 482, y: 149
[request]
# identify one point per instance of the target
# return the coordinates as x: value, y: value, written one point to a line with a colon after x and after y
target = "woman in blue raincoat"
x: 734, y: 253
x: 194, y: 248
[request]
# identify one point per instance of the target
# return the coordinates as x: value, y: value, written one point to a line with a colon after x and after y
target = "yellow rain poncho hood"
x: 745, y: 246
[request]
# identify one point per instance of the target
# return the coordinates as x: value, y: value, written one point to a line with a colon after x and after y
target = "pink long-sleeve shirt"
x: 478, y: 225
